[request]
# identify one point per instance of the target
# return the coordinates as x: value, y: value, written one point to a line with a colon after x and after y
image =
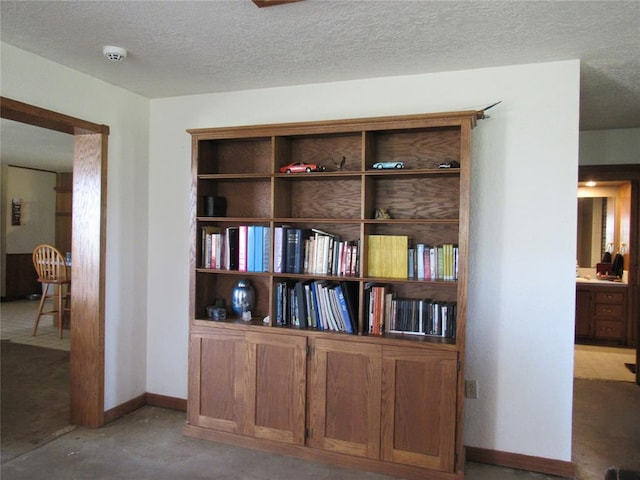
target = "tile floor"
x: 593, y: 362
x: 16, y: 324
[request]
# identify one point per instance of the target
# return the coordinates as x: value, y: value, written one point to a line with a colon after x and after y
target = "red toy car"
x: 298, y: 167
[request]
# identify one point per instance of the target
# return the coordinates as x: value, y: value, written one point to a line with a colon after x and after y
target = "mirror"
x: 604, y: 216
x: 596, y: 227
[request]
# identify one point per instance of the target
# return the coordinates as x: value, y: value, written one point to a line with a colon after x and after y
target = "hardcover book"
x: 278, y: 249
x: 294, y: 251
x: 388, y: 256
x: 251, y: 247
x: 243, y: 247
x: 232, y: 247
x: 266, y: 248
x: 344, y: 311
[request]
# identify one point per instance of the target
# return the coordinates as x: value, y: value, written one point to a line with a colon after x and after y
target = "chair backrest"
x: 50, y: 264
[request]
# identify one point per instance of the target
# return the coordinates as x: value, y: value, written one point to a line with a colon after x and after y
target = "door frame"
x: 87, y: 361
x: 630, y: 173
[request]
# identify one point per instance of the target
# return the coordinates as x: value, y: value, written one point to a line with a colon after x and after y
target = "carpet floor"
x: 34, y: 398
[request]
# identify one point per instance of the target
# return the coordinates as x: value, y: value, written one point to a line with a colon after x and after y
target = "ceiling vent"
x: 115, y: 54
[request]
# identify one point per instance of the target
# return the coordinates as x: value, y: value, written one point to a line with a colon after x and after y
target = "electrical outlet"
x: 471, y: 389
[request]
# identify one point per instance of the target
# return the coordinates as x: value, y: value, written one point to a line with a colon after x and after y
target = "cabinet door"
x: 275, y: 387
x: 344, y: 397
x: 215, y: 381
x: 583, y: 313
x: 419, y: 407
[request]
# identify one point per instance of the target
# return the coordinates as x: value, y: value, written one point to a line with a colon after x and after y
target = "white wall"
x: 610, y: 147
x: 37, y: 81
x: 35, y: 188
x: 522, y: 286
x: 521, y: 296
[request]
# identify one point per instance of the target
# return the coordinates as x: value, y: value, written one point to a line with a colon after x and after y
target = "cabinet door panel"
x: 344, y: 397
x: 419, y: 407
x: 276, y: 378
x: 609, y: 310
x: 610, y: 297
x: 216, y: 374
x: 583, y: 313
x: 607, y: 329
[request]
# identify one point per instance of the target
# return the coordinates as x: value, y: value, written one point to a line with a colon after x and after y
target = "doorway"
x: 628, y: 174
x: 88, y: 253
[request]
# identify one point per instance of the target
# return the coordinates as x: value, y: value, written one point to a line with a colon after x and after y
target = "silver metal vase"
x: 242, y: 297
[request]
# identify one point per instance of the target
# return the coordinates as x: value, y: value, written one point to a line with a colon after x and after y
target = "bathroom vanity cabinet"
x: 601, y: 313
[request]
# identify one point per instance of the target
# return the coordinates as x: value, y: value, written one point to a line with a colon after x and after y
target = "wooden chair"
x: 52, y: 271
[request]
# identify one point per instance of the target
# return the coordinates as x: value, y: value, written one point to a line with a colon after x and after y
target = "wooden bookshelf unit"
x: 390, y: 402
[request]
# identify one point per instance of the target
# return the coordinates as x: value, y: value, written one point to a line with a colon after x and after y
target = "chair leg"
x: 45, y: 292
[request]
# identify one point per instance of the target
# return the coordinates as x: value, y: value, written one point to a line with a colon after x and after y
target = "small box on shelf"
x: 213, y: 206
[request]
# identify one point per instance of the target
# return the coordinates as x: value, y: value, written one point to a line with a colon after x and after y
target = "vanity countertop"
x: 597, y: 282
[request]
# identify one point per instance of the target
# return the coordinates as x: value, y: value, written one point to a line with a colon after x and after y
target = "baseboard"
x: 152, y: 399
x: 521, y: 462
x: 124, y: 408
x: 164, y: 401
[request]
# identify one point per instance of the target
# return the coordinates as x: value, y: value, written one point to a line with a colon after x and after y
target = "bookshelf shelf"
x: 318, y: 221
x: 224, y: 271
x: 235, y: 176
x: 411, y: 221
x: 418, y: 172
x: 341, y: 318
x: 233, y: 219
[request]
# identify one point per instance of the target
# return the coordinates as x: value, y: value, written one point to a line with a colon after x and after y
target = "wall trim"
x: 152, y: 399
x: 125, y: 408
x: 163, y: 401
x: 521, y: 462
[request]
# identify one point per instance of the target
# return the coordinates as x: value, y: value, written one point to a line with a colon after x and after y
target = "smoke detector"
x: 115, y: 54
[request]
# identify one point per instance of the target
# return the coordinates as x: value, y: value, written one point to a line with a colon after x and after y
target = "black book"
x: 350, y: 292
x: 302, y: 308
x: 233, y: 242
x: 294, y: 250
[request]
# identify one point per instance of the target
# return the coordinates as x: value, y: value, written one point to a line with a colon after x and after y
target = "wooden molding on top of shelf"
x: 271, y: 3
x: 350, y: 125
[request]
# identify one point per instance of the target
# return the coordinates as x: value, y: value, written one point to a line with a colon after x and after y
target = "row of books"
x: 246, y: 248
x: 387, y: 314
x: 317, y: 304
x: 392, y: 256
x: 315, y: 252
x: 433, y: 262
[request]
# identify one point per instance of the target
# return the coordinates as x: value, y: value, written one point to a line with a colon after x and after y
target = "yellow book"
x: 387, y: 257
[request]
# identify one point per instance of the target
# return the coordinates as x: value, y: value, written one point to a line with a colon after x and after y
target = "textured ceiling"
x: 186, y: 47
